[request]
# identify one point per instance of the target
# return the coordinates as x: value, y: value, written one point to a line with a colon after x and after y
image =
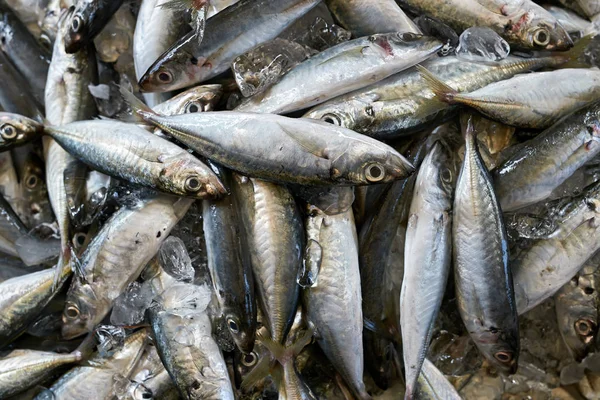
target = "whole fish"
x: 427, y: 258
x: 116, y: 256
x: 15, y: 97
x: 576, y: 305
x: 155, y: 31
x: 404, y: 103
x: 230, y: 266
x: 535, y: 100
x: 25, y: 52
x: 363, y: 61
x: 548, y: 264
x: 338, y: 289
x: 23, y: 298
x: 67, y: 99
x: 130, y: 152
x: 96, y: 379
x: 228, y: 34
x: 274, y: 233
x: 184, y: 341
x: 541, y: 164
x: 23, y: 369
x: 521, y: 23
x: 87, y: 20
x: 483, y: 279
x: 367, y: 17
x: 308, y: 152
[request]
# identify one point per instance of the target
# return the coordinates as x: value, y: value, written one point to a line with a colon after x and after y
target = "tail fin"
x: 442, y: 91
x: 574, y: 57
x: 285, y: 353
x: 139, y: 109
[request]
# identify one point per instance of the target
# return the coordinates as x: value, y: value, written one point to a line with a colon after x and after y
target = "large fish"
x: 482, y: 275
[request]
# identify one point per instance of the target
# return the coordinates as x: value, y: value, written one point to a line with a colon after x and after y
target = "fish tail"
x: 284, y: 354
x: 442, y: 91
x: 141, y: 112
x: 574, y: 57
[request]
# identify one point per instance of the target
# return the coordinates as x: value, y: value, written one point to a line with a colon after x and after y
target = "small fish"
x: 482, y: 275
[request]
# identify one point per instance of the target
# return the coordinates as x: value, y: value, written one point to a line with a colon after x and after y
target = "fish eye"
x: 408, y: 36
x: 250, y: 359
x: 32, y: 181
x: 503, y: 356
x: 233, y: 326
x: 165, y: 77
x: 446, y: 175
x: 79, y: 239
x: 77, y: 23
x: 541, y: 37
x: 8, y: 132
x: 193, y: 107
x: 374, y: 172
x: 591, y: 204
x: 584, y: 327
x: 192, y: 184
x: 588, y: 290
x: 332, y: 119
x: 72, y: 312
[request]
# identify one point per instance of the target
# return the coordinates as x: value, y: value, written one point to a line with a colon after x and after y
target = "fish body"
x: 533, y: 171
x: 427, y: 257
x: 275, y: 240
x: 483, y: 279
x: 341, y: 69
x: 228, y: 34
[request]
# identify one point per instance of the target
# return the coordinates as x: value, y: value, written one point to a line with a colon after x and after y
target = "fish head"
x: 82, y: 311
x: 369, y: 162
x: 500, y: 347
x: 188, y: 176
x: 399, y: 42
x: 352, y: 114
x: 538, y: 33
x: 77, y: 27
x: 242, y: 326
x: 16, y: 130
x: 176, y: 70
x: 199, y: 99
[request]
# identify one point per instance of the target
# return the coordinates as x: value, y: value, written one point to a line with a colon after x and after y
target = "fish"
x: 543, y: 268
x: 14, y: 95
x: 23, y: 298
x: 150, y: 379
x: 427, y: 257
x: 183, y: 334
x: 404, y: 104
x: 522, y: 23
x: 275, y: 239
x: 116, y: 256
x: 16, y: 130
x: 363, y: 61
x: 87, y: 20
x: 576, y: 305
x: 230, y: 266
x: 35, y: 192
x: 25, y: 52
x: 228, y: 34
x: 67, y: 99
x: 129, y: 152
x: 96, y: 378
x: 541, y: 164
x: 482, y: 275
x: 337, y: 289
x: 23, y: 369
x: 535, y: 101
x: 155, y: 31
x: 433, y: 385
x: 198, y: 99
x: 310, y: 152
x: 367, y: 17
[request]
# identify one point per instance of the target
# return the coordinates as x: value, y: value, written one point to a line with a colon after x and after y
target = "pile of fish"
x: 299, y: 199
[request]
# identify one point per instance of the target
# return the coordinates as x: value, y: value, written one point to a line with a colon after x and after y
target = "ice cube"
x: 264, y: 65
x: 110, y: 339
x: 175, y: 260
x: 482, y: 44
x: 130, y: 306
x: 322, y: 35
